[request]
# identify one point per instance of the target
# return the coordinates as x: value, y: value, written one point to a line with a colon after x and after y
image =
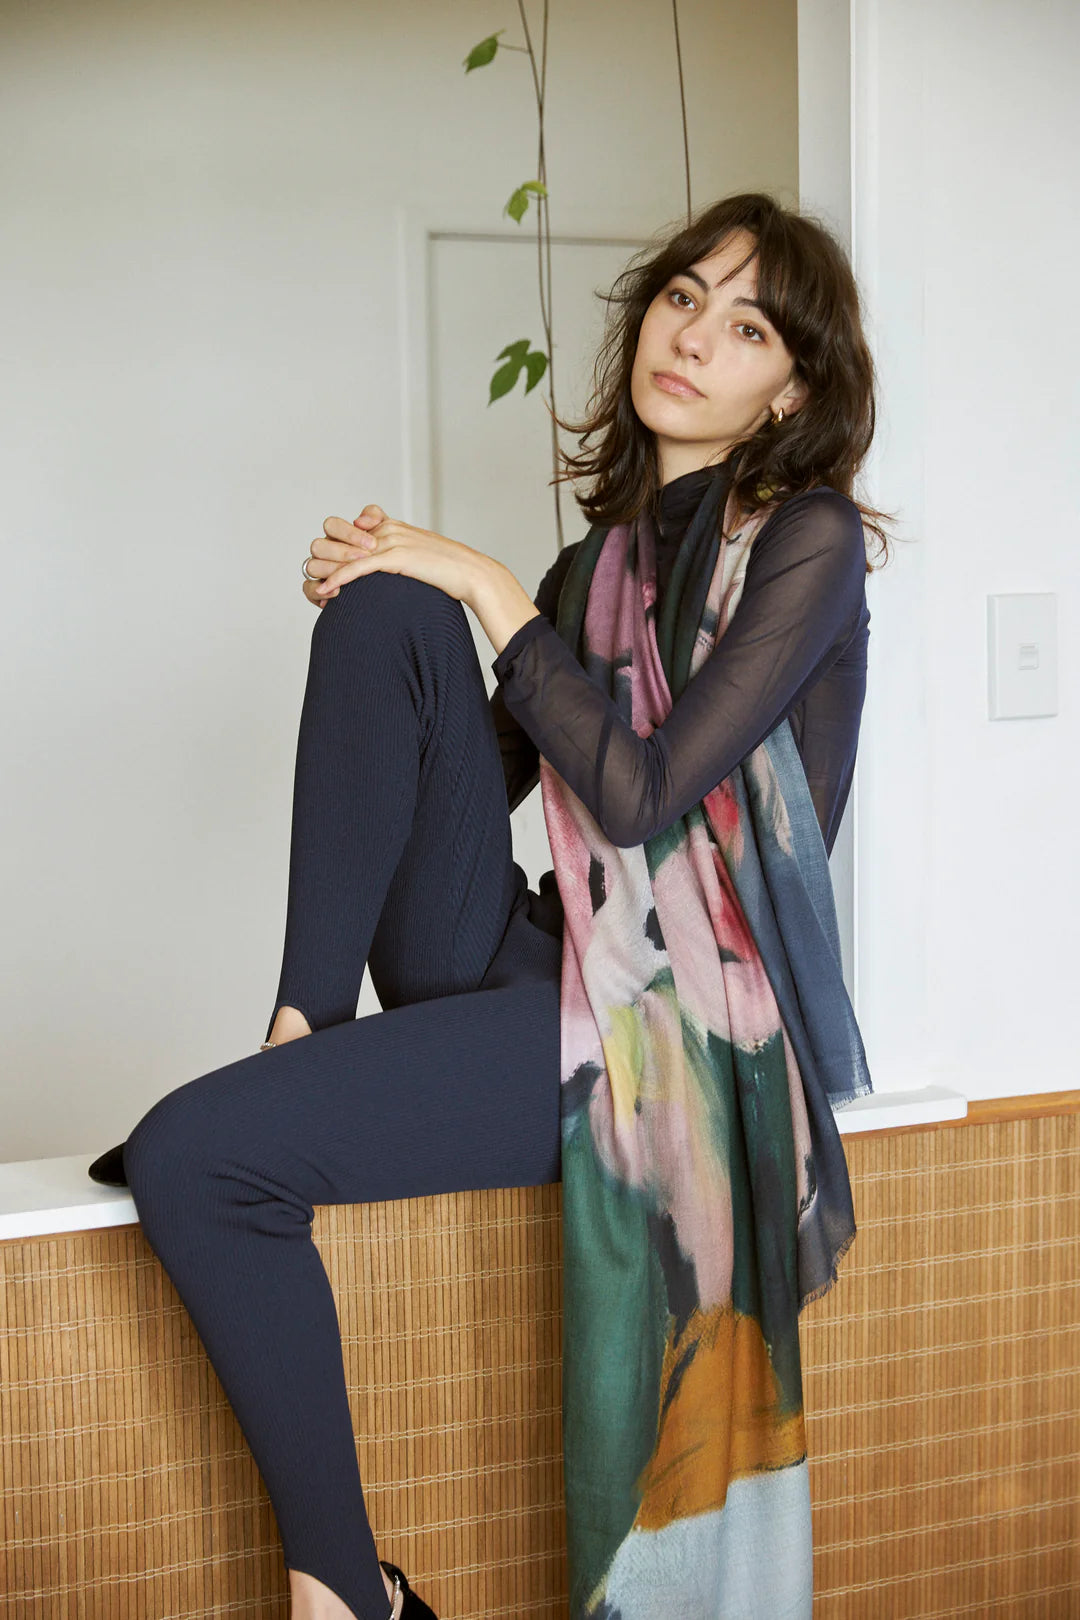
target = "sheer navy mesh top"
x: 795, y: 646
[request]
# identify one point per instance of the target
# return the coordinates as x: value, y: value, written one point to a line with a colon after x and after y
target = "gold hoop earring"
x: 778, y: 418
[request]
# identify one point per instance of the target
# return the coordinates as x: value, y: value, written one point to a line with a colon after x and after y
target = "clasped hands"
x: 375, y: 543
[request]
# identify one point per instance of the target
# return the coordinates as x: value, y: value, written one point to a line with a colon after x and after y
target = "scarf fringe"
x: 834, y: 1276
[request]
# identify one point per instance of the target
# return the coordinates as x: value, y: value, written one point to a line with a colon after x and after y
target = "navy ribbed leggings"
x: 400, y: 858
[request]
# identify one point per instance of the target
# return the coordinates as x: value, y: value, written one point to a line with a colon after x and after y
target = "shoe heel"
x: 413, y: 1607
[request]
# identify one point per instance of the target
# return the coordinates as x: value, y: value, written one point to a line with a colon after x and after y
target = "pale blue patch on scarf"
x: 752, y: 1559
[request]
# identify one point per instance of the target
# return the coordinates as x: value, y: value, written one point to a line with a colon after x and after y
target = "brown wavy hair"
x: 806, y: 286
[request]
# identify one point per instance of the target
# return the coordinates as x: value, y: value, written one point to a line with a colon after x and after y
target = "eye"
x: 677, y: 292
x: 745, y: 325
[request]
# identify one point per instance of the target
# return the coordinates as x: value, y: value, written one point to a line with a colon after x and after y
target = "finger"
x: 311, y: 592
x: 356, y: 542
x: 338, y: 551
x: 371, y: 514
x: 338, y: 528
x: 342, y: 576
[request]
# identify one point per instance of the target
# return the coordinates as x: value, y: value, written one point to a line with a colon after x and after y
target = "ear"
x: 795, y: 397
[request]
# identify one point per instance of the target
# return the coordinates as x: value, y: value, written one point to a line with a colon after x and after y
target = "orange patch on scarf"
x: 724, y: 1419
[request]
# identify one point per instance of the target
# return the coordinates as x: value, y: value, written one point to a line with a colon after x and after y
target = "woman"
x: 736, y: 374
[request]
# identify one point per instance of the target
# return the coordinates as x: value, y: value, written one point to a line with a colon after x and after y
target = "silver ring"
x: 312, y: 577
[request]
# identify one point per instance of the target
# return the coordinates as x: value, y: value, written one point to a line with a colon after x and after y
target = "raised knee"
x: 395, y: 603
x: 164, y: 1150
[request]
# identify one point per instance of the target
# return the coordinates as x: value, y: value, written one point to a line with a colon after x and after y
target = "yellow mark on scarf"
x: 623, y: 1059
x: 723, y: 1421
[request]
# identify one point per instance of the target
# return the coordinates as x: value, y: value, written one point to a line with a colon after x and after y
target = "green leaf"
x: 503, y: 380
x: 518, y: 358
x: 519, y: 199
x: 535, y: 366
x: 482, y: 54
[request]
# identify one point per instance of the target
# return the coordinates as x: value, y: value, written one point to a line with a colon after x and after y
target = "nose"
x: 691, y: 343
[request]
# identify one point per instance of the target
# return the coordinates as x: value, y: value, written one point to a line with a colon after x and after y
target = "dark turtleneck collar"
x: 680, y: 498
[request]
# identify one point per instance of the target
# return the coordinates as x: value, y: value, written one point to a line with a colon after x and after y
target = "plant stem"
x: 543, y: 240
x: 682, y: 102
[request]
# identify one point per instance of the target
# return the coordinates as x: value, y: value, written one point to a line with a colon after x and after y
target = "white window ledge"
x: 885, y: 1110
x: 40, y: 1196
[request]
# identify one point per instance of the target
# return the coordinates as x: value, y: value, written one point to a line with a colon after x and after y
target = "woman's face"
x: 712, y: 336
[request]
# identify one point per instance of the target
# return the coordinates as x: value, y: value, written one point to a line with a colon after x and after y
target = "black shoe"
x: 109, y: 1169
x: 413, y: 1608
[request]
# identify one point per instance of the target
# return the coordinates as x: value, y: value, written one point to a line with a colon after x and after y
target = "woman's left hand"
x: 389, y: 546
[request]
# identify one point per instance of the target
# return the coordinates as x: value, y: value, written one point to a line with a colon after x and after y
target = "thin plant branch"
x: 518, y: 355
x: 543, y: 240
x: 682, y: 103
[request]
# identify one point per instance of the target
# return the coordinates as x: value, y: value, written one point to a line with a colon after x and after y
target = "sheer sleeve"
x: 802, y: 601
x: 517, y: 750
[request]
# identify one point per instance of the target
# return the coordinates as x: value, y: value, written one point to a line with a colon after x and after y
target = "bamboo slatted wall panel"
x: 942, y: 1380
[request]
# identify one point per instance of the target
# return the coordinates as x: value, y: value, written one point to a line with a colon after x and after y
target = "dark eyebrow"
x: 748, y: 303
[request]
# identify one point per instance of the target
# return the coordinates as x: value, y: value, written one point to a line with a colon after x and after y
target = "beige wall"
x: 204, y: 326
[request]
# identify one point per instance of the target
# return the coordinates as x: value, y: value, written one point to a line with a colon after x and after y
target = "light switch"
x: 1022, y: 654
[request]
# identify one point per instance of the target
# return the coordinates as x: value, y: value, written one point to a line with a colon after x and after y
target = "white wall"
x: 204, y: 325
x: 824, y: 70
x: 966, y: 127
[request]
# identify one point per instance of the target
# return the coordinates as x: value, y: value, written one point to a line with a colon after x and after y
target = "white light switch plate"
x: 1022, y: 654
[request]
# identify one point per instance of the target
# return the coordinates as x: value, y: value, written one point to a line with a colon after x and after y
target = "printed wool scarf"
x: 707, y: 1037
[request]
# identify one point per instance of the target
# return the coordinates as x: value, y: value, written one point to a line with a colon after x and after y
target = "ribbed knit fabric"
x: 401, y: 857
x: 394, y: 755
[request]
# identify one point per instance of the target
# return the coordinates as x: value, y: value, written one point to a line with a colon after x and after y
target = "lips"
x: 672, y: 383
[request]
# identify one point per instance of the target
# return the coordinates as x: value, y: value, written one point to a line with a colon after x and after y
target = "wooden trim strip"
x: 985, y: 1110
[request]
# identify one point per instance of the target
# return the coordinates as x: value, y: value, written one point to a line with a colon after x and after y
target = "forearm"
x: 499, y: 601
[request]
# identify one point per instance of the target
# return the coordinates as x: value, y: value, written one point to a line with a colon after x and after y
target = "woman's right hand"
x: 332, y: 553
